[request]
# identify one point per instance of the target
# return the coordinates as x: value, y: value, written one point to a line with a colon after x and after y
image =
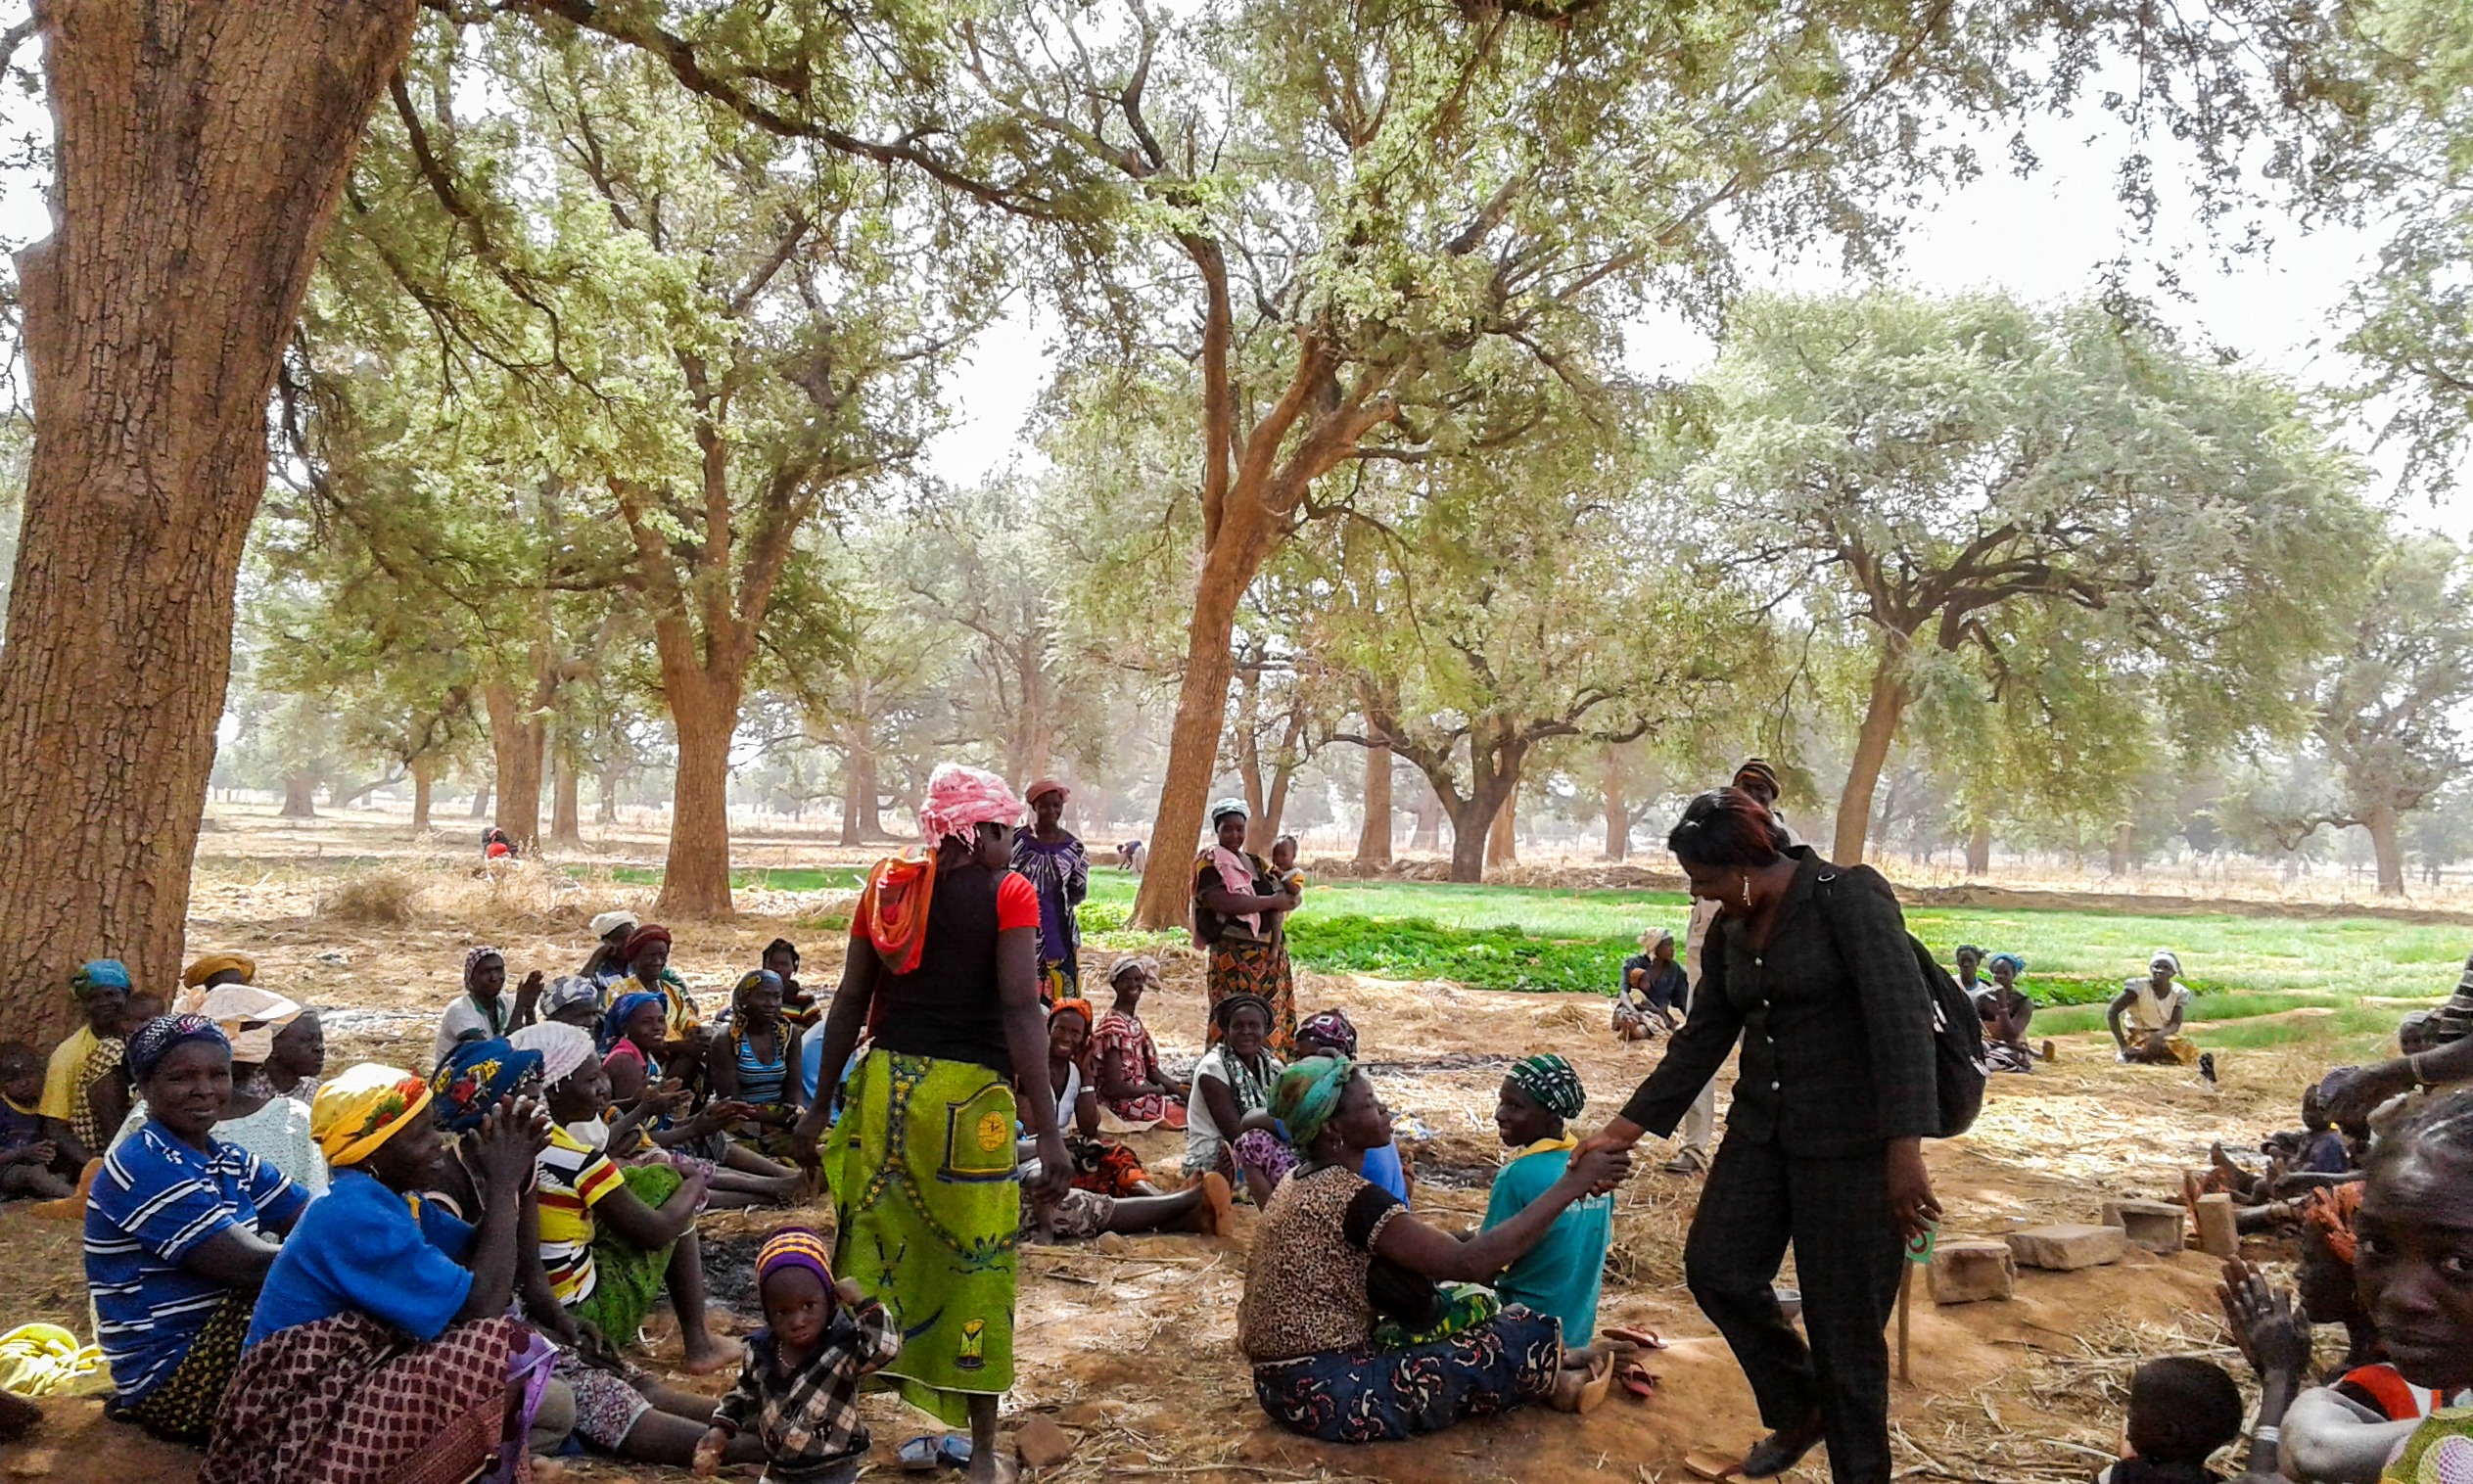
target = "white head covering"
x: 1230, y: 806
x: 2167, y: 956
x: 563, y: 1048
x: 610, y: 922
x: 248, y: 1018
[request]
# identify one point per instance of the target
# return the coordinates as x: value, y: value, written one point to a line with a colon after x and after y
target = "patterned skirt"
x: 182, y: 1405
x: 1241, y: 966
x: 628, y: 1279
x: 353, y: 1401
x: 1104, y: 1167
x: 1378, y: 1396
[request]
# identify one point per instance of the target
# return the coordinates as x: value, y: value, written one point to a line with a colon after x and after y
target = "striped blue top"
x: 759, y: 1082
x: 155, y: 1203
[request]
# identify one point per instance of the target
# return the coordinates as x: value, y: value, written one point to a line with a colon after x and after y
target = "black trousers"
x: 1848, y: 1250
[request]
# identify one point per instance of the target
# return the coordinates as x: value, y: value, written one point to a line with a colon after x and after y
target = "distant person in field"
x: 1133, y: 856
x: 2007, y: 1012
x: 495, y: 845
x: 1653, y: 991
x: 2155, y: 1008
x: 1238, y: 905
x: 1048, y: 855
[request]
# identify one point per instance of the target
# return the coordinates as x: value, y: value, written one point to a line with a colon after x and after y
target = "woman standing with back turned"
x: 1809, y: 966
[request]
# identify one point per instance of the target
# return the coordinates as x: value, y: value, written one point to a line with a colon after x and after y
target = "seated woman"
x: 327, y: 1383
x: 606, y: 965
x: 39, y: 1156
x: 83, y: 1085
x: 1307, y: 1321
x: 574, y: 999
x: 2156, y: 1008
x: 180, y: 1230
x: 1132, y: 1088
x: 274, y: 1127
x: 752, y: 1066
x: 1560, y: 1276
x: 296, y: 1063
x: 612, y: 1238
x: 1232, y: 1079
x: 484, y: 1010
x: 212, y: 971
x: 1968, y: 960
x: 684, y: 1033
x: 650, y: 1108
x: 1263, y: 1152
x: 1654, y: 988
x: 2006, y: 1012
x: 799, y: 1006
x: 1100, y: 1166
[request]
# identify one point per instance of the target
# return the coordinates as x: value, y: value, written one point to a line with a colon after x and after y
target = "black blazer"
x: 1836, y: 1024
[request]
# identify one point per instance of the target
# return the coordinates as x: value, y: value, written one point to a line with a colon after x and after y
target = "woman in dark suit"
x: 1809, y: 968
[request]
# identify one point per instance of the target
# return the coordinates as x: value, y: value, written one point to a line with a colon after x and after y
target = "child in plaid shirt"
x: 799, y: 1385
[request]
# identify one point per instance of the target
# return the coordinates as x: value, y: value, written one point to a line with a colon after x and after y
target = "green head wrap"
x: 1550, y: 1080
x: 1307, y: 1095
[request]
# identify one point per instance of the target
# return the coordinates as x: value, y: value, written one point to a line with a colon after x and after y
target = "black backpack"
x: 1960, y: 1068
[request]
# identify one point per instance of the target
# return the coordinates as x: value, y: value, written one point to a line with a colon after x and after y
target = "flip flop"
x: 953, y: 1450
x: 918, y: 1455
x: 1644, y: 1339
x: 1638, y: 1379
x: 1709, y: 1465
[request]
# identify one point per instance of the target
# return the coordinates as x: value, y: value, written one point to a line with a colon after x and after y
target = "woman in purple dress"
x: 1060, y: 870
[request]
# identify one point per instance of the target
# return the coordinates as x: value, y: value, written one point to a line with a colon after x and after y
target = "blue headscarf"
x: 1307, y: 1095
x: 2017, y: 963
x: 614, y: 1023
x: 98, y: 974
x: 472, y: 1079
x: 154, y: 1040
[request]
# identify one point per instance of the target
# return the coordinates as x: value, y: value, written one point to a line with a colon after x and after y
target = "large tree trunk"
x: 482, y: 797
x: 198, y: 150
x: 704, y: 711
x: 518, y: 737
x: 1426, y: 833
x: 424, y: 781
x: 1871, y: 754
x: 2119, y: 861
x: 299, y: 797
x: 606, y: 779
x: 859, y: 820
x: 1374, y: 837
x: 1618, y: 809
x: 1501, y: 846
x: 2381, y: 823
x: 1471, y: 828
x: 1193, y: 740
x: 1980, y: 850
x: 565, y: 812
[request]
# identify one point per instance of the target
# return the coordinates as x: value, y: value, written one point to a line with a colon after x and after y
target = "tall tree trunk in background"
x: 1502, y: 844
x: 1038, y: 743
x: 704, y: 711
x: 424, y: 781
x: 1193, y: 744
x: 1426, y: 833
x: 518, y: 740
x: 1374, y: 837
x: 299, y: 797
x: 482, y: 797
x: 198, y: 152
x: 859, y: 820
x: 1872, y: 752
x: 2119, y: 854
x: 606, y: 779
x: 2381, y: 824
x: 1980, y: 851
x: 1618, y: 811
x: 566, y: 811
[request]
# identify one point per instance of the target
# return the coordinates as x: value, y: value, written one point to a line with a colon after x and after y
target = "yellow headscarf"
x: 356, y: 1113
x: 212, y: 964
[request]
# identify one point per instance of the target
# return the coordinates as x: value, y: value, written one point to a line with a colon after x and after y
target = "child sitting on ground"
x: 1560, y: 1276
x: 38, y: 1156
x: 2181, y: 1409
x: 798, y: 1386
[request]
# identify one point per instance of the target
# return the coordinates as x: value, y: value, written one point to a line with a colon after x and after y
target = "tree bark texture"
x: 482, y: 796
x: 424, y: 781
x: 1175, y: 831
x: 519, y: 738
x: 860, y: 821
x: 299, y: 797
x: 199, y: 152
x: 1426, y: 833
x: 566, y: 811
x: 1618, y: 809
x: 1980, y: 851
x: 1501, y: 843
x: 704, y: 711
x: 2380, y: 820
x: 1872, y: 752
x: 1374, y: 837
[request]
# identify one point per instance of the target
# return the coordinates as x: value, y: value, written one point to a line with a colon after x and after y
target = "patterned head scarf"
x: 2167, y: 956
x: 1758, y: 770
x: 356, y: 1114
x: 643, y: 938
x: 151, y: 1042
x: 2017, y: 963
x: 961, y: 799
x: 1227, y: 807
x: 474, y: 957
x: 795, y: 1247
x: 475, y: 1075
x: 610, y: 922
x: 748, y: 984
x: 1654, y: 935
x: 624, y: 1008
x: 1329, y: 1029
x: 212, y: 964
x: 1226, y: 1010
x: 249, y: 1017
x: 568, y: 990
x: 562, y: 1047
x: 98, y: 974
x: 1307, y: 1095
x: 1040, y: 786
x: 1079, y: 1007
x: 2331, y: 1213
x: 1550, y: 1080
x: 1117, y: 971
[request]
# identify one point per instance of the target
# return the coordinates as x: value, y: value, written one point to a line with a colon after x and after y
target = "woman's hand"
x: 708, y: 1451
x: 510, y: 1140
x: 2350, y: 1094
x: 2271, y: 1330
x: 1911, y: 1199
x: 1602, y: 1169
x: 1620, y: 1134
x: 1055, y: 1170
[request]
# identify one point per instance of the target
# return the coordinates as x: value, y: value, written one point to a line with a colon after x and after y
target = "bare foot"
x: 704, y: 1355
x: 992, y: 1466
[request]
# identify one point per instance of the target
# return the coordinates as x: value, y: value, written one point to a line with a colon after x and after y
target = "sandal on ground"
x: 1703, y: 1465
x: 1686, y: 1163
x: 929, y: 1452
x: 1583, y: 1391
x: 1636, y: 1379
x: 1642, y: 1339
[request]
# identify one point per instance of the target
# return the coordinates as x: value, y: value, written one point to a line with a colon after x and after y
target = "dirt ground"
x: 1133, y: 1346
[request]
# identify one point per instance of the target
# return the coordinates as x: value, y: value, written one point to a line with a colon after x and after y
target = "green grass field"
x: 1524, y: 938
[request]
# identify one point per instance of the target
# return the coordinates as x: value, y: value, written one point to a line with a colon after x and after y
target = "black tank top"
x: 947, y: 1007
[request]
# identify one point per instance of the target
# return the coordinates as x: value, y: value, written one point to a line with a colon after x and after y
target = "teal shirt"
x: 1563, y: 1274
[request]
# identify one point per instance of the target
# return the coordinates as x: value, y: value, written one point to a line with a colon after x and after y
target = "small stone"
x: 33, y: 1463
x: 2068, y: 1247
x: 1084, y: 1415
x: 2218, y: 1229
x: 1114, y: 1244
x: 2157, y: 1226
x: 1965, y: 1273
x: 1042, y: 1444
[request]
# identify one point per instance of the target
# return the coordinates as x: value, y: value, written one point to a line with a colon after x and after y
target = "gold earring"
x: 1747, y: 891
